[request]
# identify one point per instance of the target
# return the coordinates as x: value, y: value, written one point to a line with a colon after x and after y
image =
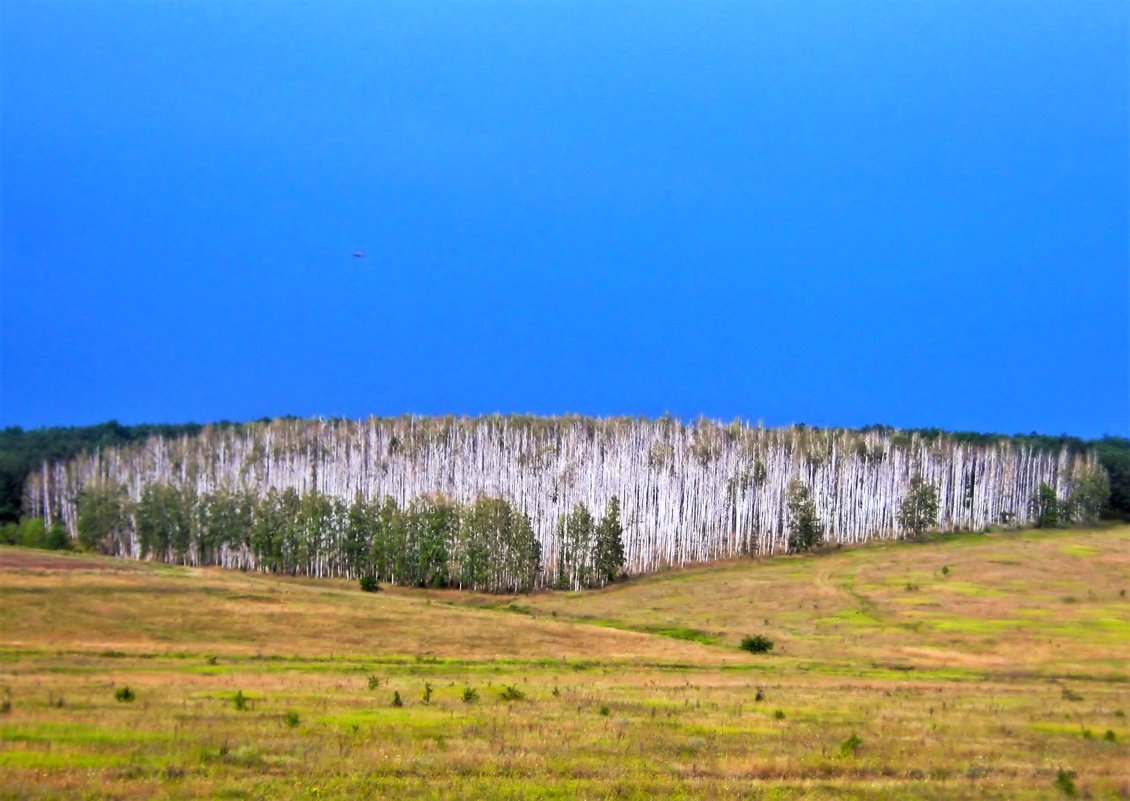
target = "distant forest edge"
x: 513, y: 503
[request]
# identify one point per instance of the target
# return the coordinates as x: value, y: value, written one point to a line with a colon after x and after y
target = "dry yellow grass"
x: 213, y: 611
x: 1038, y: 601
x: 980, y: 680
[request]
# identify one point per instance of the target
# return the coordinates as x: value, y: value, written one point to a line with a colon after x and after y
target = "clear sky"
x: 836, y: 213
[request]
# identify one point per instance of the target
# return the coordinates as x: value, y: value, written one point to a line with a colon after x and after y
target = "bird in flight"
x: 358, y: 254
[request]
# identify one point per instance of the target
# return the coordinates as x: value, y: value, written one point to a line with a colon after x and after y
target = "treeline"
x: 1049, y: 442
x: 918, y: 510
x: 487, y: 545
x: 22, y: 452
x: 1113, y: 454
x: 1084, y: 504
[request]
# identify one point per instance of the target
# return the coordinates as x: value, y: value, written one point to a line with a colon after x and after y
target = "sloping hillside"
x: 974, y: 667
x: 1049, y: 601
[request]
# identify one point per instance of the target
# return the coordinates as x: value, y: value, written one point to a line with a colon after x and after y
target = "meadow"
x: 971, y: 666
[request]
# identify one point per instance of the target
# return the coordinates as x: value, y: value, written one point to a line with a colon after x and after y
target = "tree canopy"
x: 919, y: 510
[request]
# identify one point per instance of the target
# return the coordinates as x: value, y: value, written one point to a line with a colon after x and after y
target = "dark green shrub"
x: 1065, y: 782
x: 124, y: 695
x: 757, y: 644
x: 851, y: 746
x: 470, y: 695
x: 291, y: 719
x: 511, y: 693
x: 396, y: 700
x: 57, y: 538
x: 240, y: 701
x: 32, y: 532
x: 427, y: 694
x: 374, y: 682
x: 369, y: 583
x: 778, y: 714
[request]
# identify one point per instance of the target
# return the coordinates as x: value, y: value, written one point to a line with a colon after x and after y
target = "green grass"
x: 979, y: 683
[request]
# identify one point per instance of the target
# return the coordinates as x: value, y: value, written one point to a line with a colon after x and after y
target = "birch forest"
x: 508, y: 503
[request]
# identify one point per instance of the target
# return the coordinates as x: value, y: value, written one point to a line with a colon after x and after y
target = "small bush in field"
x: 512, y: 693
x: 1065, y: 783
x: 369, y: 583
x: 124, y: 695
x: 757, y: 644
x: 851, y: 746
x: 470, y: 695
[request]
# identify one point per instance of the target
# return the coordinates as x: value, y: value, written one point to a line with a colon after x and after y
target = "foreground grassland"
x: 973, y: 667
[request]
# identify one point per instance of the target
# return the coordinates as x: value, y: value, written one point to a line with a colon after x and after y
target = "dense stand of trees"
x: 475, y: 503
x: 433, y: 542
x: 1084, y: 503
x: 25, y: 451
x: 1114, y: 456
x: 22, y: 452
x: 590, y: 553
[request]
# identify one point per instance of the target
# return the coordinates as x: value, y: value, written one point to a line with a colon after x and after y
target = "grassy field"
x: 978, y: 666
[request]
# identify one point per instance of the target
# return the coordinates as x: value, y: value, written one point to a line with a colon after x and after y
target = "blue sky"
x: 836, y: 213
